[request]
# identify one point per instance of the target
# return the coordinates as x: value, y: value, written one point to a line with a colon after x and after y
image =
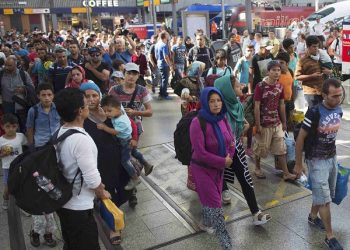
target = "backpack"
x: 310, y: 139
x: 36, y: 179
x: 182, y: 142
x: 30, y: 98
x: 181, y: 84
x: 210, y: 79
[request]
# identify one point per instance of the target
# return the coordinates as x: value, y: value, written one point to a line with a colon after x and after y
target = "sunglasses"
x: 95, y: 55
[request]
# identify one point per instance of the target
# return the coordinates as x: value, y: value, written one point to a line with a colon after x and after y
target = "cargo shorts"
x: 323, y: 178
x: 270, y: 140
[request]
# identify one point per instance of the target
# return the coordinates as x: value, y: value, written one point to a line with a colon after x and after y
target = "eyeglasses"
x: 95, y: 55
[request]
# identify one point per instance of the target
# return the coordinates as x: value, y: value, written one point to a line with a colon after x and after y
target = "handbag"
x: 112, y: 215
x: 341, y: 188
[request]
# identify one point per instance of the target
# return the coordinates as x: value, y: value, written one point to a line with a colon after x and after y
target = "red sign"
x: 346, y: 48
x: 139, y: 30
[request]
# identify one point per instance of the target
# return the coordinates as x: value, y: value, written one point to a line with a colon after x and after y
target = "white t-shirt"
x: 15, y: 146
x: 79, y: 150
x: 318, y: 29
x: 337, y: 50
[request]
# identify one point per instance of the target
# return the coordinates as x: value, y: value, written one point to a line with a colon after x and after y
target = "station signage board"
x: 346, y: 48
x: 101, y: 3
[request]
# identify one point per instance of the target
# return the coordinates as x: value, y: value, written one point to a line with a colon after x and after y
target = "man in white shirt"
x: 78, y: 152
x: 318, y: 30
x: 335, y: 50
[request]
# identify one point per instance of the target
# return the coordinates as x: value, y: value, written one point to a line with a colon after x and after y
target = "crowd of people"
x: 99, y: 84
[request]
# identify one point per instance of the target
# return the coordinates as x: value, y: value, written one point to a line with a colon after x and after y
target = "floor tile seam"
x: 295, y: 232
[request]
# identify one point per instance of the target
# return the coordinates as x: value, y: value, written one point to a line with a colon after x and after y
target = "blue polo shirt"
x: 124, y: 56
x: 161, y: 50
x: 46, y: 124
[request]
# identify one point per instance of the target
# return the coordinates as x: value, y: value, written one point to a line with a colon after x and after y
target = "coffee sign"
x: 101, y: 3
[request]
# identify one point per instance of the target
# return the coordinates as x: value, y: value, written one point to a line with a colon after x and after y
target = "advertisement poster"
x: 346, y: 48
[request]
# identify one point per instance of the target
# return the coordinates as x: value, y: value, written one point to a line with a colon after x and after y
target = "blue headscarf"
x: 205, y: 113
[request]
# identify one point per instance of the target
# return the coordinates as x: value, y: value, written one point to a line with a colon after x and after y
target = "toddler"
x: 122, y: 129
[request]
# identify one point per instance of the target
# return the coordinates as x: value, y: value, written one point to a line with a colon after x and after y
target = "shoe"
x: 49, y: 240
x: 133, y: 201
x: 148, y: 168
x: 261, y: 218
x: 316, y: 222
x: 209, y: 230
x: 5, y: 204
x: 226, y: 198
x: 132, y: 184
x: 333, y: 244
x: 34, y: 238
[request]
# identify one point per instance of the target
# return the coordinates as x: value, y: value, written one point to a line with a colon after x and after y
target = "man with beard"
x: 96, y: 70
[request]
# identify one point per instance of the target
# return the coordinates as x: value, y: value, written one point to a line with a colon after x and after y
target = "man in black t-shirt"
x: 201, y: 53
x: 96, y: 70
x: 233, y: 50
x: 260, y: 60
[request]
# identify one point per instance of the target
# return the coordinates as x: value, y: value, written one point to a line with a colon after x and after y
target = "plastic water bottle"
x: 46, y: 185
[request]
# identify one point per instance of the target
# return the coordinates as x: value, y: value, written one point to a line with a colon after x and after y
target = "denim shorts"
x: 323, y: 177
x: 5, y: 175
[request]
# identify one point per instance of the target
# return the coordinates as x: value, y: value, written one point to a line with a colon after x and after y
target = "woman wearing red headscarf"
x: 76, y: 77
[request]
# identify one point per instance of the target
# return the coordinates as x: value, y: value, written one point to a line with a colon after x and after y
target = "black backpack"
x: 42, y: 166
x: 30, y: 97
x: 182, y: 142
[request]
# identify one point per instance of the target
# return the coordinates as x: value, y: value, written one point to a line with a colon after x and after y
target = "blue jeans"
x: 164, y: 72
x: 126, y: 163
x: 179, y: 70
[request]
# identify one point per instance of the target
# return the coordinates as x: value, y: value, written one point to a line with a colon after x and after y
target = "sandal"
x: 116, y: 239
x: 261, y: 218
x: 260, y: 175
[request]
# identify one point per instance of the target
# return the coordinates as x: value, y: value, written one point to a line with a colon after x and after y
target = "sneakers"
x: 333, y: 244
x: 148, y: 168
x: 316, y: 222
x: 5, y: 204
x: 49, y: 240
x: 132, y: 184
x: 226, y: 198
x: 209, y: 230
x: 34, y: 238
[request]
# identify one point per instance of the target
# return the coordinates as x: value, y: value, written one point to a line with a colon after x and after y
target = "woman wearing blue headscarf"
x: 213, y: 148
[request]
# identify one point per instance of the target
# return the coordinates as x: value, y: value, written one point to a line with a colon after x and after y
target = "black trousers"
x: 241, y: 171
x: 79, y: 229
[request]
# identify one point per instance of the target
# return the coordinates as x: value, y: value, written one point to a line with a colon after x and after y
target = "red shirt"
x: 269, y: 96
x: 141, y: 61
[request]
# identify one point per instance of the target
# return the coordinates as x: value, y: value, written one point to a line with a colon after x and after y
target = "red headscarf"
x: 73, y: 84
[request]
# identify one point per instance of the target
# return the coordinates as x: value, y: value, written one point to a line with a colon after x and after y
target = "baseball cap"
x: 117, y: 74
x: 132, y: 67
x: 264, y: 44
x: 94, y: 50
x: 273, y: 63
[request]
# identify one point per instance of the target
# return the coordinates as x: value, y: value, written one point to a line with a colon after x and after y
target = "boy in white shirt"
x: 11, y: 146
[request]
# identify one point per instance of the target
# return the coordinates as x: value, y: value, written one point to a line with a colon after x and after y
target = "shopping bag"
x: 112, y: 215
x: 190, y: 180
x: 341, y: 189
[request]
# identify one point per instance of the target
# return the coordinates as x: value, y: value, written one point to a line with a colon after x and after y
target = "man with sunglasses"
x: 96, y: 70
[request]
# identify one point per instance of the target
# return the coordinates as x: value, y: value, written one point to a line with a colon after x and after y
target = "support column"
x: 43, y: 23
x: 173, y: 6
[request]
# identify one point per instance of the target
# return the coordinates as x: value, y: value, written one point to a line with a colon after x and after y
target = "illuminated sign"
x: 101, y: 3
